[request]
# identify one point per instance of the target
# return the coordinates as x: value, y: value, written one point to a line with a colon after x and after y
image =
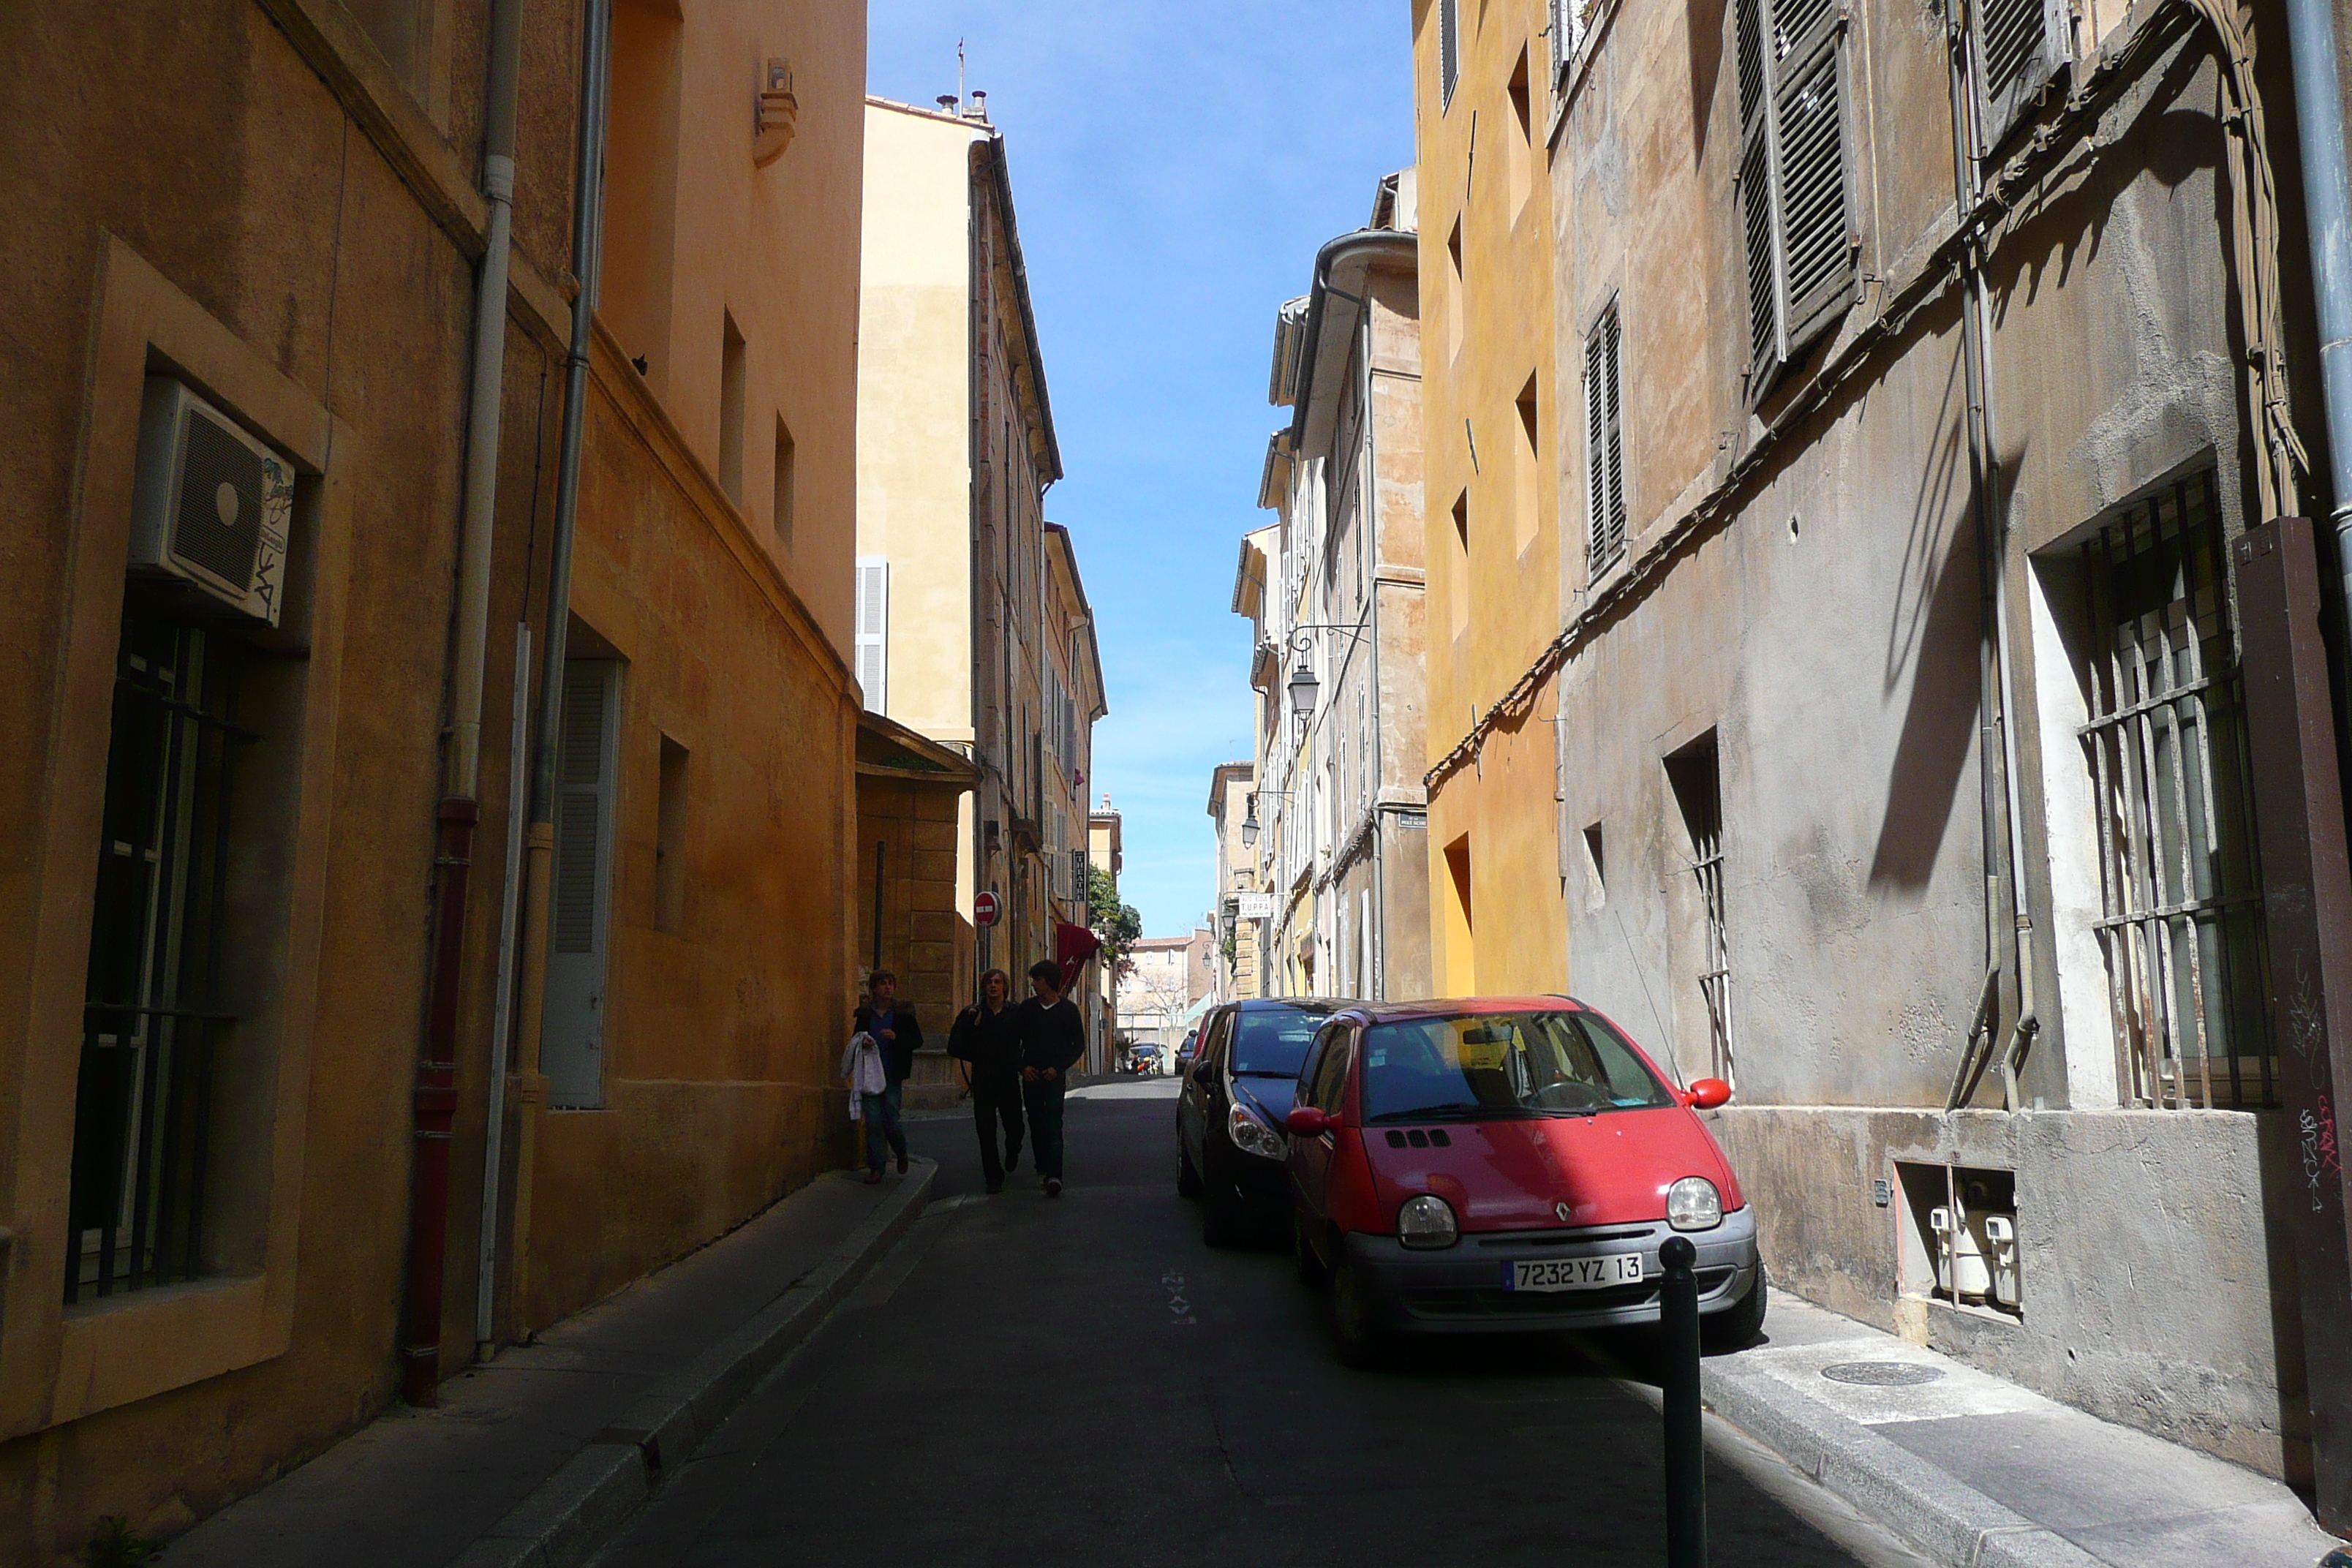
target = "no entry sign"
x: 983, y: 910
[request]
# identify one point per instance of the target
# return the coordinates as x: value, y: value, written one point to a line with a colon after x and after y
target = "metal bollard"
x: 1685, y: 1446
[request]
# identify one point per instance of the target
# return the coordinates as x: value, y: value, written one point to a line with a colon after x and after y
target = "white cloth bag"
x: 861, y: 1065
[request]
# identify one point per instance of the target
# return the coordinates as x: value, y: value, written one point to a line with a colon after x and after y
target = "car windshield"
x: 1272, y: 1042
x: 1503, y: 1064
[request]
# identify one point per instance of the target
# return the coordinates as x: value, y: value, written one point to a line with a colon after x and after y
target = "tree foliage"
x: 1117, y: 924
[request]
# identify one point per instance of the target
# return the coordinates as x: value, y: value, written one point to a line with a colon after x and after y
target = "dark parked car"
x: 1230, y: 1145
x: 1467, y: 1167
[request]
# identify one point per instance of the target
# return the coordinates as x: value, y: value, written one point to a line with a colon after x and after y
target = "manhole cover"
x: 1882, y: 1373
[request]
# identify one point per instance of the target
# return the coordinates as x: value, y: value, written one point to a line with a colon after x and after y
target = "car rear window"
x: 1271, y: 1043
x: 1503, y: 1064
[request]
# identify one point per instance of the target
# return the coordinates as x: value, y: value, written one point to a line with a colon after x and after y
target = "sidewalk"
x: 1980, y: 1473
x: 535, y: 1457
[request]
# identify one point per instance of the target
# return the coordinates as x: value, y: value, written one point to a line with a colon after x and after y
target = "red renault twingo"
x: 1504, y: 1165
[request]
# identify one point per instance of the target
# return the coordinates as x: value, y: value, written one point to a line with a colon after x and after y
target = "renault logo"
x: 1564, y: 1210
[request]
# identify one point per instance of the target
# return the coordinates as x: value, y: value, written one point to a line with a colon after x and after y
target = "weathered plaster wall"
x: 723, y: 1033
x: 2153, y: 1293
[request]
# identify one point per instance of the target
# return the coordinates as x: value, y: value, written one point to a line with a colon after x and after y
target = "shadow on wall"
x: 1936, y: 635
x: 1702, y: 21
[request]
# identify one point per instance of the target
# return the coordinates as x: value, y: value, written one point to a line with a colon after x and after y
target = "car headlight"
x: 1427, y: 1221
x: 1693, y: 1203
x: 1252, y: 1136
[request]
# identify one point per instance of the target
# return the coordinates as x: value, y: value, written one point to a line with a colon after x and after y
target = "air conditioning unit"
x: 212, y: 504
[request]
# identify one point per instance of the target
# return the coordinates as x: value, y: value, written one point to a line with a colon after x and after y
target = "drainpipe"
x: 2327, y: 216
x: 587, y: 255
x: 2000, y: 819
x: 436, y: 1097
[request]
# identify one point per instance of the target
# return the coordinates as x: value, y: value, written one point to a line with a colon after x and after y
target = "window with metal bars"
x: 2181, y: 923
x: 1792, y: 183
x: 1604, y: 455
x: 154, y: 1010
x: 1695, y: 774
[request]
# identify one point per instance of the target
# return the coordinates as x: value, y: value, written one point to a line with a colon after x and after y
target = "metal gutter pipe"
x: 435, y: 1096
x: 2328, y: 220
x: 538, y: 876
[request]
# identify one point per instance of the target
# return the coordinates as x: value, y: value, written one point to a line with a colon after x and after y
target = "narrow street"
x: 1083, y: 1382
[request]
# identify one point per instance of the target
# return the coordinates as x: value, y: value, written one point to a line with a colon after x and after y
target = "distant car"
x: 1184, y: 1049
x: 1469, y: 1167
x: 1230, y: 1145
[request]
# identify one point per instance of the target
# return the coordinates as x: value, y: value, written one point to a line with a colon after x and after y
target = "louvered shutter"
x: 1604, y: 443
x: 1792, y: 183
x: 874, y: 630
x: 1449, y: 51
x: 2020, y: 44
x: 1808, y: 111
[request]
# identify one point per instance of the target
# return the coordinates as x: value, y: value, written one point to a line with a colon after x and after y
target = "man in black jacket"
x: 985, y: 1041
x: 1053, y: 1038
x: 892, y: 1023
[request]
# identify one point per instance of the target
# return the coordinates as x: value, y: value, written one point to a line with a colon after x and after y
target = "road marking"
x: 1180, y: 1310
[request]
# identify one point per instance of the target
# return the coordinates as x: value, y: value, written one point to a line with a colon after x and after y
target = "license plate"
x: 1574, y: 1273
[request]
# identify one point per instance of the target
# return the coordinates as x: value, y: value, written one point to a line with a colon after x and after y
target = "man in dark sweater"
x: 1053, y: 1038
x: 892, y: 1023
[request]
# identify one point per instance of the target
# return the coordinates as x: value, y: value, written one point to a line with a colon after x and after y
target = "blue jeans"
x: 881, y: 1112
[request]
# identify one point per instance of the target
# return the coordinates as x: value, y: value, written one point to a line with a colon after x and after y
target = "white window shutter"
x: 874, y: 630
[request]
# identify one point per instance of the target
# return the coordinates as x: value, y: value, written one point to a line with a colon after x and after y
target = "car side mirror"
x: 1307, y: 1121
x: 1706, y: 1093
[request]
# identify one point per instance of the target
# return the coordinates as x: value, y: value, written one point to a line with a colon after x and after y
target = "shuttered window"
x: 1566, y: 25
x: 571, y: 1036
x: 2020, y: 44
x: 874, y: 630
x: 1604, y: 443
x: 1792, y: 183
x: 1449, y: 51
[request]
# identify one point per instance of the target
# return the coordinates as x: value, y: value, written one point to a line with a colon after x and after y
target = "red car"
x: 1502, y: 1165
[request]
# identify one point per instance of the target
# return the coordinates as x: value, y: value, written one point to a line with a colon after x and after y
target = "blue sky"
x: 1175, y: 168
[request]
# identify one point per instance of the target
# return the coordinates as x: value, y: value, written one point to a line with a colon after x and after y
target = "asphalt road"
x: 1080, y: 1381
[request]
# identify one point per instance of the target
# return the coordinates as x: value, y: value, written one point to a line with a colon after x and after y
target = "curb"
x: 573, y: 1512
x: 1946, y: 1517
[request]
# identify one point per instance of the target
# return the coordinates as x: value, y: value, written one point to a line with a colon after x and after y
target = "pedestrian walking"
x: 985, y: 1040
x: 1053, y: 1038
x: 869, y: 1103
x: 893, y: 1024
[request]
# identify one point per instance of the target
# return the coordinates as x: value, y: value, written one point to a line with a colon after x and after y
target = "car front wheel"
x: 1362, y: 1341
x: 1736, y: 1327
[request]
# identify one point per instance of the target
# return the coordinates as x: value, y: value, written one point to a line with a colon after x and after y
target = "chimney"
x: 978, y: 109
x: 947, y: 103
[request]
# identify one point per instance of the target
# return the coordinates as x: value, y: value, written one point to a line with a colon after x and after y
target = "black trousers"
x: 1045, y: 1101
x: 996, y: 1097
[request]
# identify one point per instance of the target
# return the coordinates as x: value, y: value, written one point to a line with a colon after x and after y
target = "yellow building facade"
x: 1489, y: 399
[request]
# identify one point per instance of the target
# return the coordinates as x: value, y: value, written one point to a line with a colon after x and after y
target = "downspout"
x: 436, y: 1097
x: 2328, y: 219
x: 1999, y: 810
x: 1379, y: 979
x: 587, y: 254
